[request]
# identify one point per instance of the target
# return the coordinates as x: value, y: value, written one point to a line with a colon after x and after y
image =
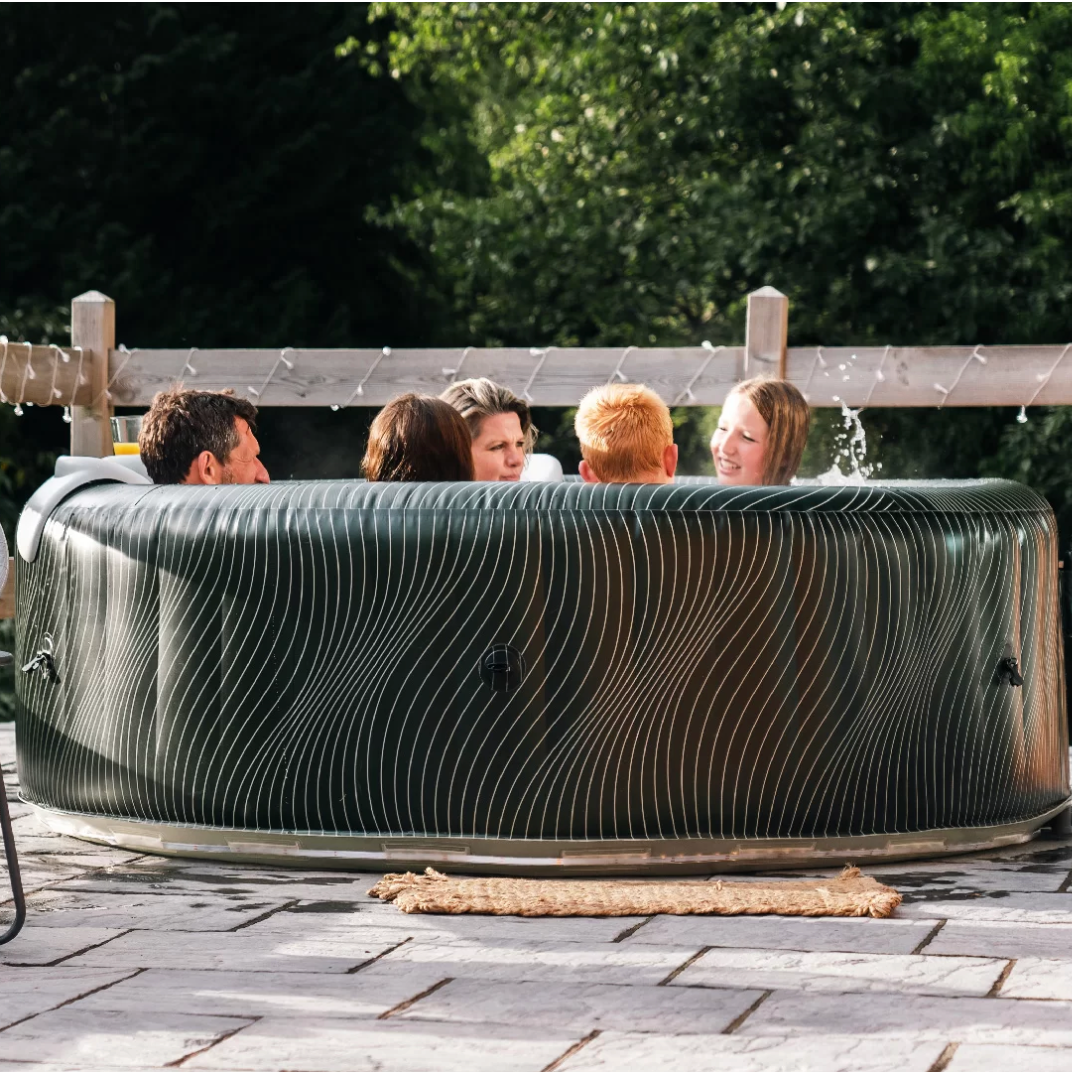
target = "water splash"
x: 850, y: 446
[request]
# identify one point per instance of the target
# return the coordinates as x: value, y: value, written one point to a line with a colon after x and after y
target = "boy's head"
x: 627, y: 436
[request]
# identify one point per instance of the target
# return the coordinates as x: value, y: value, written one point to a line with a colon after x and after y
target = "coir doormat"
x: 850, y: 894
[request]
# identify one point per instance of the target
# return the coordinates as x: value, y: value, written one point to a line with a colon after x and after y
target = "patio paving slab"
x: 552, y: 962
x: 1012, y: 939
x: 995, y: 905
x: 258, y: 993
x: 317, y: 1045
x: 983, y: 1020
x: 1034, y: 977
x: 618, y: 1052
x: 183, y: 949
x: 31, y: 991
x: 663, y: 1010
x: 935, y: 885
x: 766, y: 932
x: 180, y: 912
x: 841, y: 972
x: 92, y: 1039
x: 1009, y: 1059
x: 37, y: 945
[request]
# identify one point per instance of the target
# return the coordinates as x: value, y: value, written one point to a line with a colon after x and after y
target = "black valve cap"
x: 502, y: 668
x: 1011, y: 672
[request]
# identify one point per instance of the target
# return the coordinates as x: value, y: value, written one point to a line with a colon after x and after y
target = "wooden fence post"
x: 93, y: 328
x: 766, y: 334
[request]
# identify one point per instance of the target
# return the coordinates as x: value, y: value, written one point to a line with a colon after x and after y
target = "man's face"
x: 243, y: 464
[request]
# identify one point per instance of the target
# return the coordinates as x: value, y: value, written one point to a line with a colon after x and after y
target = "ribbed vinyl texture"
x: 698, y: 661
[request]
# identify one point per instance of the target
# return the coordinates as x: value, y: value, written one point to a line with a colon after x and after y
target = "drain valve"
x: 1011, y: 672
x: 43, y: 660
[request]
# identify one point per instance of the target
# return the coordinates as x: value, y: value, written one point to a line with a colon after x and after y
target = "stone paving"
x: 130, y: 961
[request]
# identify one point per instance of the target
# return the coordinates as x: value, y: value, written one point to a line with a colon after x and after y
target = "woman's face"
x: 739, y: 445
x: 499, y: 449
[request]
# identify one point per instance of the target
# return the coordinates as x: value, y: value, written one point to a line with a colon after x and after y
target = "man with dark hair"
x: 201, y: 437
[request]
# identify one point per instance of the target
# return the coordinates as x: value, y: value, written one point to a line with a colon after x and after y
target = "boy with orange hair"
x: 627, y: 436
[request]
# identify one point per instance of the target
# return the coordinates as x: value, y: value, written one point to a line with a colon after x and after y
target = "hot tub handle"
x: 1011, y: 672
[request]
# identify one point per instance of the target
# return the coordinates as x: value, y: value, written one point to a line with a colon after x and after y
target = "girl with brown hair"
x: 761, y: 433
x: 418, y: 438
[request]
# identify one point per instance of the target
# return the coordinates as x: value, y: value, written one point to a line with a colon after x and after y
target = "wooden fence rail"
x: 684, y: 376
x: 92, y: 375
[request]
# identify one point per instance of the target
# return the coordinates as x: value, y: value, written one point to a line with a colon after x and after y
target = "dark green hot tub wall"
x: 545, y: 674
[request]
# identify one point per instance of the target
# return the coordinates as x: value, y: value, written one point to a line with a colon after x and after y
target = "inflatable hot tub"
x: 541, y: 677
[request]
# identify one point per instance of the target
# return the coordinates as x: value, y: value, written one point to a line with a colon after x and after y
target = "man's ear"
x: 586, y: 473
x: 205, y: 469
x: 670, y: 460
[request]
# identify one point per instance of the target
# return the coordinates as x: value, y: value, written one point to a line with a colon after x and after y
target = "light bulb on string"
x: 1021, y: 417
x: 67, y: 418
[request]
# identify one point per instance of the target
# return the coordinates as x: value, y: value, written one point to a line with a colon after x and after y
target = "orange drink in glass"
x: 125, y: 431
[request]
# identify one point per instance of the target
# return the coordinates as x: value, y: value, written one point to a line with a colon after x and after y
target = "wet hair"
x: 479, y: 398
x: 415, y: 437
x: 181, y: 424
x: 787, y: 416
x: 624, y: 429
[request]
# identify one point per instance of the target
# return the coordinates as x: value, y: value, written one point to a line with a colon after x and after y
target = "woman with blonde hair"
x: 500, y: 425
x: 761, y: 433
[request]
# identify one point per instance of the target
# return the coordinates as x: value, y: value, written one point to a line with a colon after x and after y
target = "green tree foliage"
x: 646, y: 165
x: 210, y: 166
x: 627, y: 173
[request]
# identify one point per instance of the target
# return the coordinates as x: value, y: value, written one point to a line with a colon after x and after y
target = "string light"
x: 712, y: 352
x: 287, y: 355
x: 53, y: 392
x: 1021, y: 417
x: 819, y: 362
x: 947, y: 391
x: 360, y: 389
x: 187, y: 367
x: 81, y: 380
x: 281, y: 359
x: 27, y: 373
x: 451, y: 374
x: 880, y: 377
x: 107, y: 392
x: 617, y: 374
x: 541, y: 354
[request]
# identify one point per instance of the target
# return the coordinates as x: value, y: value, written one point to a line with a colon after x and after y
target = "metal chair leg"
x: 13, y: 872
x: 12, y: 869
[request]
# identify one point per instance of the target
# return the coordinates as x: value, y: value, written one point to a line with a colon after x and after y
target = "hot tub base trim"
x: 516, y: 856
